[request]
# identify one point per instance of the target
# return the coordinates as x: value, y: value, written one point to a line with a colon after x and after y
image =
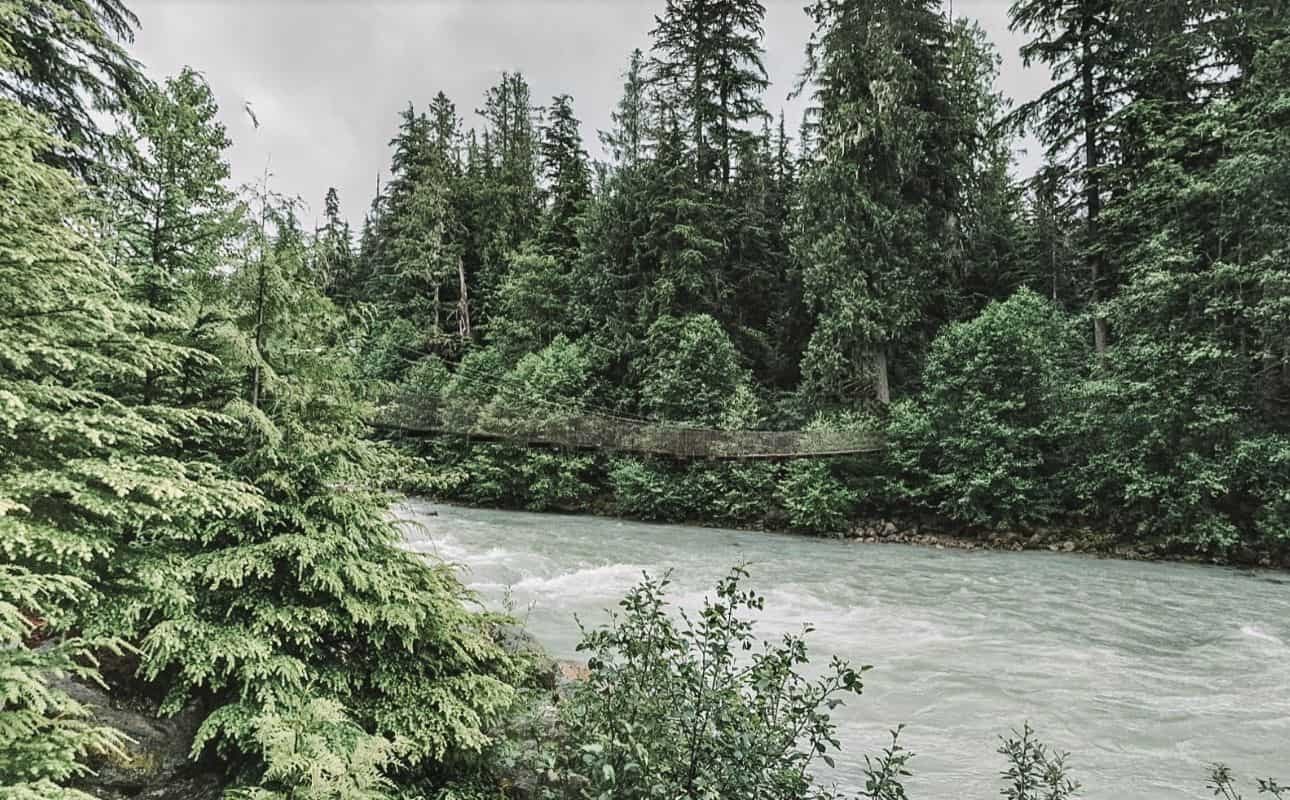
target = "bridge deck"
x: 596, y: 432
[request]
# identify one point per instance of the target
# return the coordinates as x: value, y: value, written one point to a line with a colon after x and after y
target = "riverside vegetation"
x: 187, y: 487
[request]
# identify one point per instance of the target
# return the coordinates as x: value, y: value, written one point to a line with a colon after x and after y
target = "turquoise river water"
x: 1144, y: 672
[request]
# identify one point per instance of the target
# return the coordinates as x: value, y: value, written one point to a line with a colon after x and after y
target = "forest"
x: 193, y: 502
x: 1100, y: 347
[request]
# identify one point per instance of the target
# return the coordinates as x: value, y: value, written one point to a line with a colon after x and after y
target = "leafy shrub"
x: 813, y: 498
x: 1035, y: 772
x: 646, y: 490
x: 494, y: 475
x: 428, y: 376
x: 730, y: 492
x: 556, y: 479
x: 699, y: 708
x: 474, y: 383
x: 543, y: 389
x: 978, y: 444
x: 1170, y: 449
x: 532, y: 307
x: 690, y: 371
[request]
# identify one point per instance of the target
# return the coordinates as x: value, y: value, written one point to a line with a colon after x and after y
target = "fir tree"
x: 880, y: 191
x: 335, y: 265
x: 1082, y: 43
x: 567, y: 177
x: 708, y: 60
x: 80, y: 471
x: 66, y: 60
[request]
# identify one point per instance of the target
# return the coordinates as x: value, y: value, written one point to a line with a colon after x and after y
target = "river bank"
x: 844, y: 499
x: 941, y: 535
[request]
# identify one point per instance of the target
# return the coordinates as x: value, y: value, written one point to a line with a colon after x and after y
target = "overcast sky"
x: 327, y: 78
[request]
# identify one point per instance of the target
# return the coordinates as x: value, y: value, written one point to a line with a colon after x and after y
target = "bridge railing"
x: 603, y: 432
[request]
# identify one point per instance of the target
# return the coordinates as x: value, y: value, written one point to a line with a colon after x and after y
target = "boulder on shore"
x: 156, y: 763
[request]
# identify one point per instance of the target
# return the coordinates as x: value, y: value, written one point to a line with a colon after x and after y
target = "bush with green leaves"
x: 731, y: 492
x: 650, y: 490
x: 558, y: 480
x: 697, y: 707
x: 475, y: 381
x: 690, y: 371
x: 543, y: 390
x: 980, y: 444
x: 814, y: 498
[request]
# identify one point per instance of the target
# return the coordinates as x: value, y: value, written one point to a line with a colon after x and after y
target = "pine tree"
x: 1195, y: 403
x: 626, y: 140
x: 1083, y: 44
x: 681, y: 251
x: 567, y: 177
x: 504, y: 213
x: 880, y: 191
x: 708, y: 60
x: 174, y: 218
x: 80, y: 471
x: 335, y: 267
x: 66, y: 60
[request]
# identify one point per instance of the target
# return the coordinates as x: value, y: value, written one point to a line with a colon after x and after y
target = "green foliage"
x: 543, y: 389
x: 1223, y: 784
x: 557, y: 480
x: 733, y: 493
x: 699, y: 707
x: 45, y: 735
x: 387, y: 347
x: 66, y: 61
x: 494, y: 476
x: 648, y: 490
x: 689, y: 370
x: 531, y: 304
x: 814, y: 499
x: 1034, y: 771
x: 80, y: 471
x: 476, y: 380
x: 980, y: 445
x: 317, y: 753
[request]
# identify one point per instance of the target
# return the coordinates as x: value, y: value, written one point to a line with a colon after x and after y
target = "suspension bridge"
x: 575, y: 428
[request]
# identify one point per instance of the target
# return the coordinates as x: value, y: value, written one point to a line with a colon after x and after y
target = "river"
x: 1145, y: 672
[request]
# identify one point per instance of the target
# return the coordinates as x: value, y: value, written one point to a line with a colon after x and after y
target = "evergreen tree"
x: 986, y: 228
x: 1083, y: 44
x: 708, y: 59
x: 335, y: 267
x: 626, y: 140
x: 1195, y: 409
x: 504, y: 211
x: 66, y: 60
x: 881, y: 190
x: 418, y: 272
x: 567, y: 176
x: 175, y: 218
x: 678, y: 270
x: 80, y: 471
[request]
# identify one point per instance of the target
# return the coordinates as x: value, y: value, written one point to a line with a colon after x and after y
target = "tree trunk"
x: 1092, y: 178
x: 882, y: 388
x: 463, y: 301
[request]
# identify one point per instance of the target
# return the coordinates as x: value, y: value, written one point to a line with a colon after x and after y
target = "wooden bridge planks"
x: 597, y: 432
